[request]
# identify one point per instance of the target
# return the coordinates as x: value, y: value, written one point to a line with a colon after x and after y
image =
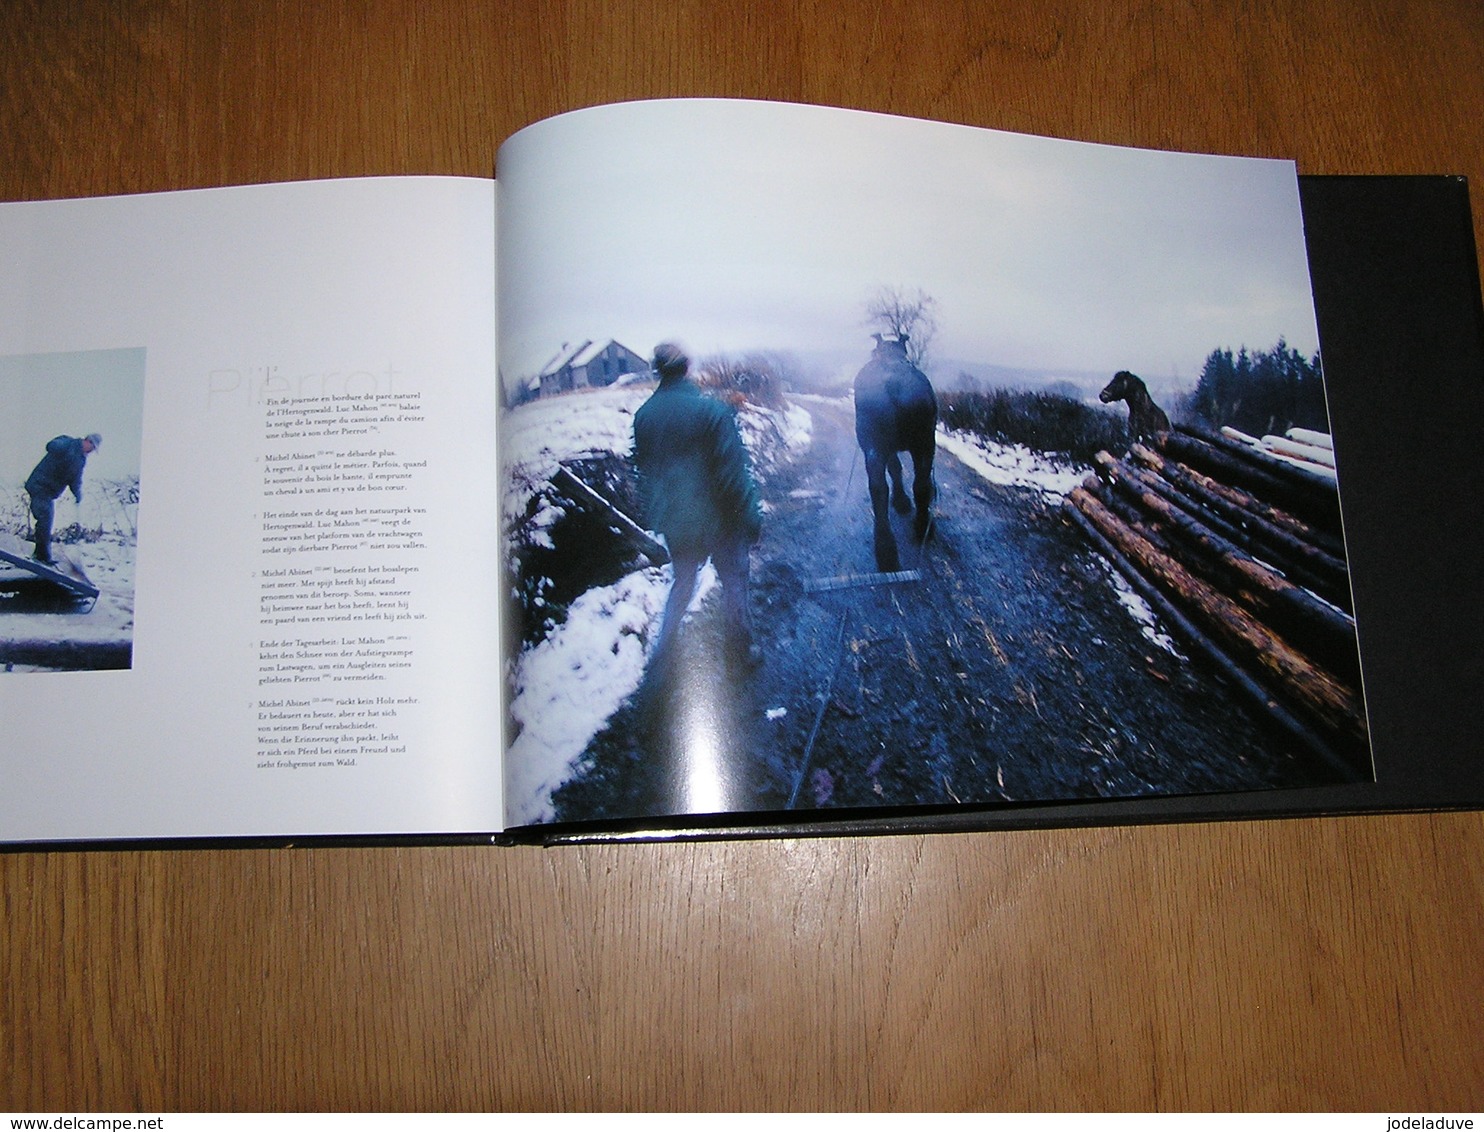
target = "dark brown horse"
x: 1146, y: 420
x: 895, y: 411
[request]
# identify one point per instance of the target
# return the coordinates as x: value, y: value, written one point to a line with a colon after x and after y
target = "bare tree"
x: 897, y: 312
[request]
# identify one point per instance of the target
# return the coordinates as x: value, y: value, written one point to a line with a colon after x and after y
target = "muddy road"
x: 1009, y: 673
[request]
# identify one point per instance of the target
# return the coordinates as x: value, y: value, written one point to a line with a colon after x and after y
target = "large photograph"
x: 855, y: 462
x: 69, y: 504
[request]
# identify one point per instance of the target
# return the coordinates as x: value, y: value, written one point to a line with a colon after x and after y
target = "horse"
x: 895, y: 411
x: 1146, y: 420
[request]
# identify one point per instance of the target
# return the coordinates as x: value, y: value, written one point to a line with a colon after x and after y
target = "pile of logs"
x: 1302, y: 447
x: 1240, y: 553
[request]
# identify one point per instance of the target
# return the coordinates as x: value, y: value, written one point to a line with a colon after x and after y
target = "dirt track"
x: 1009, y: 673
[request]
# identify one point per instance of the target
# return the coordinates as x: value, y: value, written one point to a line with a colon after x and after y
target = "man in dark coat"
x: 60, y: 469
x: 697, y: 489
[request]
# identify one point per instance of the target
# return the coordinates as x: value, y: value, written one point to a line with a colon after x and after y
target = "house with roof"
x: 587, y: 366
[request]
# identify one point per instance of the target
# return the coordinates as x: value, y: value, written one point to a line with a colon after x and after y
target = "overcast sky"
x: 746, y: 225
x: 48, y: 395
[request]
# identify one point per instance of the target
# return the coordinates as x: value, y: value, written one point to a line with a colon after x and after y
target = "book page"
x: 970, y: 370
x: 291, y: 392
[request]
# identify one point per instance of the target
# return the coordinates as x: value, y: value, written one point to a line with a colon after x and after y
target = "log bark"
x: 1235, y: 504
x: 625, y: 528
x: 1312, y: 557
x: 1201, y: 644
x: 1255, y: 457
x: 1313, y: 499
x: 1298, y: 560
x: 1315, y: 626
x: 1309, y: 436
x: 1320, y: 458
x: 1320, y: 694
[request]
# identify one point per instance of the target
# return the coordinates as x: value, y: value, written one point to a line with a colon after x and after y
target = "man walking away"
x: 697, y: 489
x: 60, y: 469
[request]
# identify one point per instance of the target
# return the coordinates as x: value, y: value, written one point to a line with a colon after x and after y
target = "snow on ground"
x: 775, y: 436
x: 109, y: 565
x: 536, y: 436
x: 1016, y: 466
x: 564, y: 689
x: 555, y: 428
x: 109, y: 511
x: 1012, y: 465
x: 1139, y: 610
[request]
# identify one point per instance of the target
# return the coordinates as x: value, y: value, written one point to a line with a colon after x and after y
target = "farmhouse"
x: 587, y: 366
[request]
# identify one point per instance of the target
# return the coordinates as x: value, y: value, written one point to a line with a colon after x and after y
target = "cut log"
x: 1316, y: 458
x: 1200, y: 643
x: 1220, y: 520
x: 1319, y: 471
x: 1315, y: 626
x: 1308, y: 453
x: 1256, y: 458
x: 1299, y: 560
x: 1328, y: 700
x: 621, y: 525
x: 1312, y: 557
x: 1236, y: 505
x: 1309, y: 496
x: 1128, y: 510
x: 1239, y: 436
x: 1309, y: 436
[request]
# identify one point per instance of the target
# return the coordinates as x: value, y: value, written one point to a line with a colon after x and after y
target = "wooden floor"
x: 1331, y: 963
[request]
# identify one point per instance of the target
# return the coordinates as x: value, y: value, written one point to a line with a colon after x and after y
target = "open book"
x: 324, y: 512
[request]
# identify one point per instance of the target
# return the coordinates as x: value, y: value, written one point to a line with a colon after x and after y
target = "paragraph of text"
x: 329, y: 731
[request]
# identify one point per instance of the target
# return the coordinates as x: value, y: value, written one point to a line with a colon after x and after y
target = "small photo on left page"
x: 69, y: 506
